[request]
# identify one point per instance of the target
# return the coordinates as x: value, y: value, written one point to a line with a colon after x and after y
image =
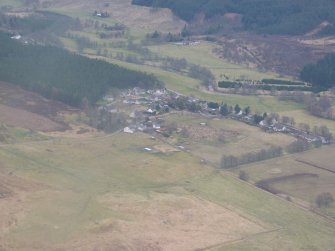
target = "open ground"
x: 88, y: 193
x: 204, y: 55
x: 215, y: 137
x: 299, y: 177
x: 106, y: 192
x: 20, y: 108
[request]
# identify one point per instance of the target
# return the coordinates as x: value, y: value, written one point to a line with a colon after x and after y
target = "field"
x: 85, y: 194
x: 302, y: 116
x: 285, y: 55
x: 139, y: 22
x: 123, y: 12
x: 65, y: 186
x: 94, y: 191
x: 302, y: 177
x: 191, y: 87
x: 221, y: 137
x: 19, y: 108
x: 81, y: 194
x: 202, y: 54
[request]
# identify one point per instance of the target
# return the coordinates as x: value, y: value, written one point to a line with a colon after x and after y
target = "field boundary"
x: 314, y: 165
x: 239, y: 240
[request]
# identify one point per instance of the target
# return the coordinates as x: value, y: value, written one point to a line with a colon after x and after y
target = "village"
x: 151, y: 106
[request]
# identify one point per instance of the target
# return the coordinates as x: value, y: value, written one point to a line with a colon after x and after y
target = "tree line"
x: 61, y: 75
x: 266, y: 84
x: 231, y: 161
x: 264, y: 16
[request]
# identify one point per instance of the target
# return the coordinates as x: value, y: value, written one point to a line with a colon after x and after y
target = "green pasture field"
x: 192, y: 87
x: 202, y: 54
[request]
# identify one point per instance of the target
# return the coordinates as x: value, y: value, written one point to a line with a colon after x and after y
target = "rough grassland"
x: 323, y: 157
x: 102, y: 192
x: 122, y: 11
x: 89, y: 184
x: 303, y: 189
x: 292, y: 229
x: 20, y: 118
x: 237, y: 137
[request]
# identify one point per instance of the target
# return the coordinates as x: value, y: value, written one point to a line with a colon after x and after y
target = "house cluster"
x: 102, y: 14
x: 188, y: 43
x: 16, y: 37
x: 275, y: 126
x: 152, y: 104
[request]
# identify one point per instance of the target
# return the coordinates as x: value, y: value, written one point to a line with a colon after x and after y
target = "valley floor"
x: 92, y: 191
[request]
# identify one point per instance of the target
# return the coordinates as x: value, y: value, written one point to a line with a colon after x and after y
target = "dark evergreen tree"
x: 64, y: 76
x: 321, y: 74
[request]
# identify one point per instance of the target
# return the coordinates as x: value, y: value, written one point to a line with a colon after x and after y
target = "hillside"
x: 147, y: 169
x: 261, y: 16
x: 58, y: 74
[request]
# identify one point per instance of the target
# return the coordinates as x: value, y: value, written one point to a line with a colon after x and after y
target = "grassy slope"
x: 200, y: 55
x: 302, y: 116
x: 240, y: 138
x: 294, y: 228
x: 79, y: 171
x: 83, y: 170
x: 305, y: 188
x: 190, y: 87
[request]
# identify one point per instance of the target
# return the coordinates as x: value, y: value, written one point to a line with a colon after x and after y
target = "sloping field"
x: 320, y: 158
x: 21, y: 118
x: 302, y: 116
x: 122, y: 11
x: 302, y: 177
x: 108, y: 189
x: 107, y: 193
x: 20, y: 108
x: 293, y: 228
x: 16, y: 97
x: 166, y: 222
x: 202, y: 54
x: 222, y: 137
x: 191, y: 87
x: 13, y: 199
